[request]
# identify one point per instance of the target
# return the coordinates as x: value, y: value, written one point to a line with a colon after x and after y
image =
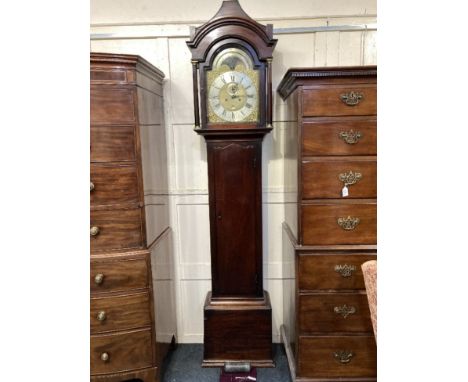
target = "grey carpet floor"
x: 183, y: 365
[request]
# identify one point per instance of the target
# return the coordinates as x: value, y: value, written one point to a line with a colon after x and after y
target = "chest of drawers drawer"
x: 119, y: 312
x: 334, y: 312
x: 112, y: 143
x: 111, y: 353
x: 331, y: 271
x: 116, y: 275
x: 343, y: 223
x: 114, y: 184
x: 116, y: 229
x: 339, y: 136
x: 112, y: 105
x: 339, y: 100
x: 326, y: 177
x: 337, y: 356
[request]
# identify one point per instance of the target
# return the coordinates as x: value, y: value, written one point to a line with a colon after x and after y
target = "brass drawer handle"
x: 345, y: 270
x: 343, y: 356
x: 105, y: 357
x: 101, y: 316
x: 345, y: 310
x: 350, y: 178
x: 99, y: 278
x: 91, y: 186
x: 350, y: 137
x: 349, y: 223
x: 94, y: 231
x: 352, y: 98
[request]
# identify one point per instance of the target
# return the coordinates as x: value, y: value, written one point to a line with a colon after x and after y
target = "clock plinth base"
x: 238, y: 330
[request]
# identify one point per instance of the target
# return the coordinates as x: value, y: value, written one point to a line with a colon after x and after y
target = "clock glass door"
x: 232, y: 88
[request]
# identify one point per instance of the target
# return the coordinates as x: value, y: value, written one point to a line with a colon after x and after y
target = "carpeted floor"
x: 183, y: 365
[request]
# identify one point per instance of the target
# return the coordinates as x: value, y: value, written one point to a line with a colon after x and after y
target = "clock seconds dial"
x: 233, y: 96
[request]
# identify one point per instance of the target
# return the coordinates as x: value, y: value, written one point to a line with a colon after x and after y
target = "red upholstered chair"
x: 369, y: 270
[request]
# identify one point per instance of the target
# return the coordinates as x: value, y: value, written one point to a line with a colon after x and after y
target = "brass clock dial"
x: 233, y: 91
x: 233, y: 96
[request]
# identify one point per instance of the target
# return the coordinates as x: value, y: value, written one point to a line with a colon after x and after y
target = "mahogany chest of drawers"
x: 327, y: 329
x: 126, y: 127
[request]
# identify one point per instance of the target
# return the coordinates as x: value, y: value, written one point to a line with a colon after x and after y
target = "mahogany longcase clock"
x: 231, y: 59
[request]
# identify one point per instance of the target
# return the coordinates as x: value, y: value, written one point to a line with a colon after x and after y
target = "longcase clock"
x: 231, y: 60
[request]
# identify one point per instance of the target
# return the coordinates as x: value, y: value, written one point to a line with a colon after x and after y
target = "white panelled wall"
x: 310, y: 33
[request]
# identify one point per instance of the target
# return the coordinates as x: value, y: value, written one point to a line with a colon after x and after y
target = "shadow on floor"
x: 184, y: 365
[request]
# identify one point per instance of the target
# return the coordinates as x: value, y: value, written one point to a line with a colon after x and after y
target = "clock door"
x: 236, y: 206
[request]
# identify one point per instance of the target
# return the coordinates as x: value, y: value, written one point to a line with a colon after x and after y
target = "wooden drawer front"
x: 117, y: 229
x: 112, y: 105
x: 334, y: 312
x: 108, y: 76
x: 321, y: 357
x: 317, y: 272
x: 125, y: 351
x: 320, y: 224
x: 325, y: 178
x: 120, y: 312
x: 118, y: 275
x: 327, y: 100
x: 114, y: 184
x: 340, y: 136
x: 112, y: 143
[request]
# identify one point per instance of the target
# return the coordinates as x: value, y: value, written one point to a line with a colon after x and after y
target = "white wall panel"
x: 193, y: 294
x: 190, y: 167
x: 181, y: 82
x: 157, y: 31
x: 370, y: 48
x: 351, y: 48
x: 146, y: 11
x: 153, y: 50
x: 194, y: 241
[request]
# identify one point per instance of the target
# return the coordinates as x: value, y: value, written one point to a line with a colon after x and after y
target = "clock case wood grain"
x: 237, y: 312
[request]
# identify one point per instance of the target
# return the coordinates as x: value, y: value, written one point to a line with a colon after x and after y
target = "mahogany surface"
x: 235, y: 174
x: 122, y: 315
x: 237, y: 315
x: 321, y: 136
x: 118, y: 228
x: 320, y: 177
x: 328, y: 317
x: 320, y: 271
x: 123, y: 312
x: 126, y: 350
x: 325, y: 100
x: 112, y: 143
x: 320, y: 227
x: 119, y: 274
x: 317, y: 312
x: 321, y: 349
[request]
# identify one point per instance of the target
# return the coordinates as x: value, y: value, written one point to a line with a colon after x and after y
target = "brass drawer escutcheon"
x: 345, y: 270
x: 349, y: 223
x: 94, y: 231
x: 343, y: 356
x: 350, y: 137
x: 352, y: 98
x: 345, y: 310
x: 350, y: 178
